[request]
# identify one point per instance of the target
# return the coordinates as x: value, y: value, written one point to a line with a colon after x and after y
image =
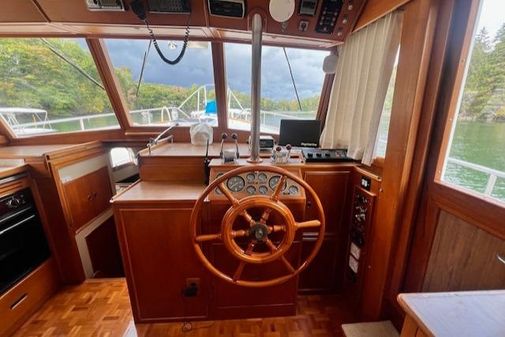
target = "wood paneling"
x: 464, y: 257
x: 376, y: 9
x: 158, y: 256
x: 17, y: 304
x: 20, y: 11
x: 327, y: 270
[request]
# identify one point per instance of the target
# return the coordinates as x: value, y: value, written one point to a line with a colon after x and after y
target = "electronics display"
x: 303, y: 133
x: 169, y: 6
x: 325, y: 155
x: 328, y: 16
x: 308, y: 7
x: 227, y: 8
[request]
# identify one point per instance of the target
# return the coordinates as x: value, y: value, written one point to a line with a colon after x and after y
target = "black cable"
x: 160, y: 53
x: 292, y: 79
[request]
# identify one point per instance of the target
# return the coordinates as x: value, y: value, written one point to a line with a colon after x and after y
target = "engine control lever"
x: 224, y: 135
x: 234, y: 136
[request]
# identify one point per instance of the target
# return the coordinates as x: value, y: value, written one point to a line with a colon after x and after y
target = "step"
x: 370, y: 329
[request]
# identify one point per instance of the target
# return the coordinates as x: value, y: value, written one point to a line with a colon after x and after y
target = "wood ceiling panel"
x: 20, y: 11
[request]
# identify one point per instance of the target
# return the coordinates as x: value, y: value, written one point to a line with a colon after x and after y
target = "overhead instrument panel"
x: 328, y: 16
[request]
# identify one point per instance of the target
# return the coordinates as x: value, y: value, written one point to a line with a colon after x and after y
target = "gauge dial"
x: 263, y: 189
x: 235, y: 184
x: 262, y: 177
x: 251, y: 190
x: 293, y: 190
x: 274, y: 181
x: 250, y: 177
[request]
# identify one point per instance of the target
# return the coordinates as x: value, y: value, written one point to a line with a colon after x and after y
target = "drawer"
x: 21, y: 301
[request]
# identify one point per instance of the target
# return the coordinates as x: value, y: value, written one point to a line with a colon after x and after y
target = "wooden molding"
x: 112, y: 88
x: 376, y: 9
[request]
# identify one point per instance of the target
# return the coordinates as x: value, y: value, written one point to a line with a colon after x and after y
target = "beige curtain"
x: 363, y: 72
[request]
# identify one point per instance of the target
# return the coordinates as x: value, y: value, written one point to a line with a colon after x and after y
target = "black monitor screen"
x: 304, y: 133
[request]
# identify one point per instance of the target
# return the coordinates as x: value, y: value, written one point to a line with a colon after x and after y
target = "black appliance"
x: 23, y: 244
x: 324, y: 155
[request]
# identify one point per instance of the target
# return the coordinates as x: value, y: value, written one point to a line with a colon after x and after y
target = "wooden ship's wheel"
x: 259, y: 231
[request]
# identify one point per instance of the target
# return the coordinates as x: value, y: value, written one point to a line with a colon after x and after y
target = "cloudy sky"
x: 492, y: 16
x: 196, y: 67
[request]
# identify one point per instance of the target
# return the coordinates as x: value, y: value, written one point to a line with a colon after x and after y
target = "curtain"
x: 359, y: 89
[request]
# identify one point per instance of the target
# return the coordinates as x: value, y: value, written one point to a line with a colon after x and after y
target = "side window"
x: 291, y: 84
x: 51, y: 85
x: 475, y: 159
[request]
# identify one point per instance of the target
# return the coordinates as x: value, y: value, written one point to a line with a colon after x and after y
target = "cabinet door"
x: 87, y: 196
x: 327, y: 269
x: 159, y: 257
x: 100, y: 189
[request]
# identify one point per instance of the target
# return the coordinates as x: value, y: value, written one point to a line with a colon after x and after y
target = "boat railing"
x: 492, y: 174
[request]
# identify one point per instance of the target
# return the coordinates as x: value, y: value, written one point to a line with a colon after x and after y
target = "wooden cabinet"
x: 159, y: 259
x: 87, y: 196
x: 19, y: 302
x: 326, y: 271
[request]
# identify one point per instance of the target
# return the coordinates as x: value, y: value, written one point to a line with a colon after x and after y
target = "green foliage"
x: 483, y: 97
x: 34, y: 77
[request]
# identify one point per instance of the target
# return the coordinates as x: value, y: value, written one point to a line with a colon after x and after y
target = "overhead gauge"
x: 235, y: 184
x: 263, y: 189
x: 251, y: 190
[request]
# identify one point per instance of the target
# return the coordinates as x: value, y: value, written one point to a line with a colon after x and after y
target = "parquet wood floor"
x: 101, y: 308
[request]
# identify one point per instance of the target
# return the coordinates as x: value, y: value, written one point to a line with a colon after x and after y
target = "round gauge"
x: 274, y: 181
x: 263, y: 189
x: 293, y: 190
x: 250, y: 177
x: 251, y: 190
x: 235, y: 184
x: 262, y: 177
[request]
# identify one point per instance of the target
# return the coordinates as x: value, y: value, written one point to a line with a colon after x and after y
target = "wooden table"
x: 454, y: 314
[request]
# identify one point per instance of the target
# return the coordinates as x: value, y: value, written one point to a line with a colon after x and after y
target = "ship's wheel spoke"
x: 276, y: 228
x: 308, y: 224
x: 285, y: 261
x: 240, y: 268
x: 248, y: 217
x: 240, y: 233
x: 208, y: 237
x: 228, y: 194
x: 278, y: 189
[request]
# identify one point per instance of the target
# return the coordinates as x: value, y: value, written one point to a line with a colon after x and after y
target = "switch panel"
x: 328, y: 16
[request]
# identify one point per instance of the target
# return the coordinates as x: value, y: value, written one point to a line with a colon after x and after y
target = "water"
x: 479, y: 143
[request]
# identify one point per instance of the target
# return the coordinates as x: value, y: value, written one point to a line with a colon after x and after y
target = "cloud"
x: 196, y: 67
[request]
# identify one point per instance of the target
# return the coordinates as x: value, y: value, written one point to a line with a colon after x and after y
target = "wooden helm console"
x: 259, y: 229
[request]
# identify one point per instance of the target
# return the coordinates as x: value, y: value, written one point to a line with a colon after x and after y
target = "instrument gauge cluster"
x: 259, y: 183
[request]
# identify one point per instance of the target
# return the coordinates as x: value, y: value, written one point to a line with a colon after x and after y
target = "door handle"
x: 500, y: 258
x: 19, y: 301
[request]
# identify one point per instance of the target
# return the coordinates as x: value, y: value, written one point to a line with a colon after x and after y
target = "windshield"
x: 160, y: 94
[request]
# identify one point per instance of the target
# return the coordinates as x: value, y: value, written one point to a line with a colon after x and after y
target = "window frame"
x: 127, y: 130
x: 453, y: 103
